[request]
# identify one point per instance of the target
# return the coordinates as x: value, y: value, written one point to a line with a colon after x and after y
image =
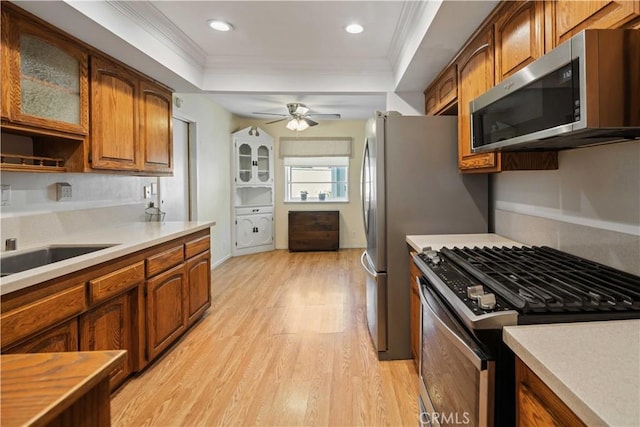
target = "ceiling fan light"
x: 219, y: 25
x: 302, y: 125
x: 293, y: 124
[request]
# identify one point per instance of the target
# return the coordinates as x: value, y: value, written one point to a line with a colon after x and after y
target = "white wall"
x: 590, y: 206
x: 213, y: 154
x: 351, y: 226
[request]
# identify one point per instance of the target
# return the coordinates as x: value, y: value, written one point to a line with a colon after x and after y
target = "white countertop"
x: 438, y: 241
x: 594, y: 367
x: 125, y: 238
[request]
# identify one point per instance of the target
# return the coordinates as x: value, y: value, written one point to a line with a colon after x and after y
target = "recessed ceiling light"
x: 220, y: 25
x: 354, y: 28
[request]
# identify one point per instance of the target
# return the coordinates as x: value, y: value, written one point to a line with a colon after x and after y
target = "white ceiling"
x: 279, y: 51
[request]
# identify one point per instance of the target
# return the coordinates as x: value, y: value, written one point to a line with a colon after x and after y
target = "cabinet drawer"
x: 114, y: 283
x: 41, y: 314
x: 164, y: 260
x: 196, y: 246
x: 253, y: 211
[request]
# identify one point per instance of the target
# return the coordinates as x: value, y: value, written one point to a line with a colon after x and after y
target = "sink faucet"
x: 11, y: 244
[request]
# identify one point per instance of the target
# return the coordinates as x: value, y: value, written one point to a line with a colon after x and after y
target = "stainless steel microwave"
x: 586, y: 91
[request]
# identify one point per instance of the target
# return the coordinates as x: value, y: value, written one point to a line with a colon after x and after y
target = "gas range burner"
x: 540, y: 284
x: 540, y: 279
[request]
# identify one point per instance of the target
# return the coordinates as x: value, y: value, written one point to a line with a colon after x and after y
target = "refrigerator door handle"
x: 362, y: 187
x: 366, y: 266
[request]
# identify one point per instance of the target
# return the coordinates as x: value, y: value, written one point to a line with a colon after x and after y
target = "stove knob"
x: 436, y: 260
x: 487, y: 301
x: 474, y: 292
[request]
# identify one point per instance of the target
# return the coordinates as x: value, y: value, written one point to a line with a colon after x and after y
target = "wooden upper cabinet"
x: 519, y: 37
x: 156, y: 135
x: 475, y: 76
x: 114, y: 117
x: 443, y: 92
x: 564, y: 18
x: 44, y: 77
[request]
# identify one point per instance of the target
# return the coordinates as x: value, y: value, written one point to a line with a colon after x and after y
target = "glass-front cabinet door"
x: 264, y: 158
x: 245, y: 163
x: 49, y: 79
x: 254, y: 163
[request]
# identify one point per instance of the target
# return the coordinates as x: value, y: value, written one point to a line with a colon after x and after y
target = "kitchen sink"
x: 15, y: 263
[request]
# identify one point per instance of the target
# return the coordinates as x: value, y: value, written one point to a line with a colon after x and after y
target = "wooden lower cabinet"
x: 166, y: 314
x: 110, y: 327
x: 414, y: 309
x: 58, y: 339
x: 141, y: 303
x: 537, y: 405
x: 199, y: 281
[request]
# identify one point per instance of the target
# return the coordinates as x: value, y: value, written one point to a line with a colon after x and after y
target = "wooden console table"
x: 314, y: 231
x: 57, y: 389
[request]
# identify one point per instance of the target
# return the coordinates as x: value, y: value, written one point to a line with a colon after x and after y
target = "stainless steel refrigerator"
x: 410, y: 185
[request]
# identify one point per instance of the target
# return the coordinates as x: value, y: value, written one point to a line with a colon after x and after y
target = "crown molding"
x: 274, y: 64
x: 409, y: 18
x: 147, y: 17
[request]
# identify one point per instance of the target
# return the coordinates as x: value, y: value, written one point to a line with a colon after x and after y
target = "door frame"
x: 192, y: 165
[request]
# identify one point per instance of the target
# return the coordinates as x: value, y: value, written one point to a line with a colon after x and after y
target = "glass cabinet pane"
x: 49, y: 80
x: 244, y: 163
x: 263, y: 164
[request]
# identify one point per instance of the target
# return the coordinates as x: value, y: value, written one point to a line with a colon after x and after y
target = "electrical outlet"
x: 63, y: 190
x: 147, y: 191
x: 6, y: 194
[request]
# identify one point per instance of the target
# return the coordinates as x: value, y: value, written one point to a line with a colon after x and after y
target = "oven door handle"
x: 461, y: 340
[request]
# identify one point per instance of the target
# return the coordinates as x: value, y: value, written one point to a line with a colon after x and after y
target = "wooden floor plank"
x: 284, y: 343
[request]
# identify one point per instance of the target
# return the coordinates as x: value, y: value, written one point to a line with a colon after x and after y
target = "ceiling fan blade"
x: 276, y: 121
x: 271, y: 114
x: 329, y: 116
x: 309, y: 121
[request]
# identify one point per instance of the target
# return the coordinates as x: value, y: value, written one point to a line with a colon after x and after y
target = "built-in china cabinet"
x: 252, y: 191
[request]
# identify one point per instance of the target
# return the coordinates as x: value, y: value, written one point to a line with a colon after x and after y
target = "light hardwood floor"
x: 284, y: 343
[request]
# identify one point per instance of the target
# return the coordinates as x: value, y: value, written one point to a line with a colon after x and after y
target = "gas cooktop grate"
x: 542, y: 279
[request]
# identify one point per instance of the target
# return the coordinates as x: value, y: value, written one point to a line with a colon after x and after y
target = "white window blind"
x: 315, y: 147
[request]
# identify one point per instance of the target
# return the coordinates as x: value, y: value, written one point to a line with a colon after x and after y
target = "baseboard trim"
x: 218, y: 263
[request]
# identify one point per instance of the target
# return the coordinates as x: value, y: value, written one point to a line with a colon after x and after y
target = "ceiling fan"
x: 298, y: 117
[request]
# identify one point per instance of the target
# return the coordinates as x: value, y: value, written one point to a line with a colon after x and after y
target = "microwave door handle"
x: 464, y: 344
x: 365, y: 265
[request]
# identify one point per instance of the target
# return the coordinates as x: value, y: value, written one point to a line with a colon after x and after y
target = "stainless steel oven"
x: 467, y: 374
x: 456, y: 374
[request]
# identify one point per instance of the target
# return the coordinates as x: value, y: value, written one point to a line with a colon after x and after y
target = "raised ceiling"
x: 279, y: 51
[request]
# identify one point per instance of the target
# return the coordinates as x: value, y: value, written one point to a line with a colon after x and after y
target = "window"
x: 316, y: 179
